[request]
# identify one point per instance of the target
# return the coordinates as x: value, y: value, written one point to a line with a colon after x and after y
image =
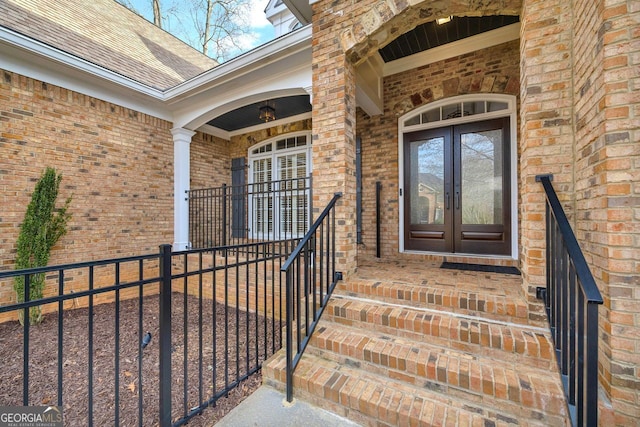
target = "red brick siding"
x: 210, y: 161
x: 116, y: 163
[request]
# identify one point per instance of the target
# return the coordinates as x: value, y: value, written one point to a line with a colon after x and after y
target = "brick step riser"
x: 444, y: 374
x: 501, y: 343
x: 495, y: 308
x: 377, y: 410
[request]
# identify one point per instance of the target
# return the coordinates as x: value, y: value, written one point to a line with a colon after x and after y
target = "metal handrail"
x: 571, y: 301
x: 317, y: 251
x: 236, y: 214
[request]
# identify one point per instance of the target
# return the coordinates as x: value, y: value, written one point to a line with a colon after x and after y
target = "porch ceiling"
x: 431, y: 34
x: 247, y: 116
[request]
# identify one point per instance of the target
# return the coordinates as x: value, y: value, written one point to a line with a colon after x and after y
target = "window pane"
x: 261, y: 197
x: 451, y: 111
x: 415, y: 120
x: 482, y: 160
x: 431, y: 116
x: 471, y: 108
x: 496, y: 106
x: 427, y: 181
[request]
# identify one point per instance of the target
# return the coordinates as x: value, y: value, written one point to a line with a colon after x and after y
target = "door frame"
x: 406, y: 123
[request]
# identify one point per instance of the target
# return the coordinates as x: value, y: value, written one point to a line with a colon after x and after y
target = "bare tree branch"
x: 157, y: 15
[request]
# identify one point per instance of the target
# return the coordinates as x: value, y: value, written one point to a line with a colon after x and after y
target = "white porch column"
x: 181, y: 177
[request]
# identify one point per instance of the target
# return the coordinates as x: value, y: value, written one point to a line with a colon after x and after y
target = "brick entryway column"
x: 334, y: 108
x: 547, y: 139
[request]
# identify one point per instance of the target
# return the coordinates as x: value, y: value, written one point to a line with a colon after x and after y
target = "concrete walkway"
x: 268, y: 407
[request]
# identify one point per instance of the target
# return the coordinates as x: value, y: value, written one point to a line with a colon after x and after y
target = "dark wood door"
x: 457, y: 189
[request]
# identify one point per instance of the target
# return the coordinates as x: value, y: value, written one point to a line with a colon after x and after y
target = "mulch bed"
x: 248, y: 337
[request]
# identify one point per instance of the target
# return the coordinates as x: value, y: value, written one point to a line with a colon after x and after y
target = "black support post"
x: 165, y: 336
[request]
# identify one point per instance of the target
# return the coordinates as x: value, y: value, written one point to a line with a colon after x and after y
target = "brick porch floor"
x: 412, y: 344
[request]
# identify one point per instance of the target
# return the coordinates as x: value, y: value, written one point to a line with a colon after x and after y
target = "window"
x: 279, y: 199
x: 454, y: 111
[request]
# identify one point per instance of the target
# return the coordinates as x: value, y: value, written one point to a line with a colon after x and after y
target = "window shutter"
x: 238, y: 190
x: 358, y: 190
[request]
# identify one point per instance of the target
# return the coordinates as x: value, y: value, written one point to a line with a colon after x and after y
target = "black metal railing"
x: 232, y: 215
x: 571, y: 301
x: 215, y: 314
x: 310, y: 277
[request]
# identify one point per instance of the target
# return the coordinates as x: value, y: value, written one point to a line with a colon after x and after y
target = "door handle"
x: 447, y: 200
x: 457, y: 200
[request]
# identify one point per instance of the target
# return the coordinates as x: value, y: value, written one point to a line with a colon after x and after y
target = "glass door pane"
x: 427, y: 181
x: 261, y: 198
x: 293, y: 198
x: 482, y: 177
x: 482, y: 188
x: 427, y: 212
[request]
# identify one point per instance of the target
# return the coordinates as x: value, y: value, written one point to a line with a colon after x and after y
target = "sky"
x: 261, y: 29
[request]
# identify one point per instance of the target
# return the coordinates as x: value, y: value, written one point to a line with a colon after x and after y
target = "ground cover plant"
x: 232, y: 342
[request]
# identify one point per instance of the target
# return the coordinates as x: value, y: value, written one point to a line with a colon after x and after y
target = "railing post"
x: 289, y: 323
x: 224, y: 214
x: 378, y: 191
x: 165, y: 336
x: 591, y: 366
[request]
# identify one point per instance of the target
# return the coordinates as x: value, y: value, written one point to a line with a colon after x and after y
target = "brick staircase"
x: 426, y: 346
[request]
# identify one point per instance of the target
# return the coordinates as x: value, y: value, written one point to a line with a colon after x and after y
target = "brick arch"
x: 387, y: 19
x: 505, y: 80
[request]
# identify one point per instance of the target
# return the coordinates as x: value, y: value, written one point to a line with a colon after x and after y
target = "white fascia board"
x: 281, y: 78
x: 212, y: 130
x: 273, y: 52
x: 271, y: 10
x: 450, y: 50
x: 39, y: 61
x: 301, y: 9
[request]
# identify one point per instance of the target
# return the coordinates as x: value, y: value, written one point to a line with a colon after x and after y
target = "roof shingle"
x: 109, y: 35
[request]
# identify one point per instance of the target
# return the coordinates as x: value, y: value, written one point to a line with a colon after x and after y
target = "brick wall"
x: 491, y: 70
x: 209, y: 161
x: 116, y: 163
x: 606, y: 183
x: 239, y: 144
x: 547, y: 140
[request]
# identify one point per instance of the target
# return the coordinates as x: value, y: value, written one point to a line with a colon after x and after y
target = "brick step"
x: 511, y: 343
x: 512, y: 387
x: 375, y: 400
x: 506, y: 308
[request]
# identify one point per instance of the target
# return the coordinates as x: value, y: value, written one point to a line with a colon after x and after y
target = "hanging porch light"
x: 267, y: 112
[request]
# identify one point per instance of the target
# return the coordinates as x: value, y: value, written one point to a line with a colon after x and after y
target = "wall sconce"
x: 267, y: 112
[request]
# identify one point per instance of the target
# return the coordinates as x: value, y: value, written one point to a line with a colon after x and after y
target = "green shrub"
x: 43, y: 225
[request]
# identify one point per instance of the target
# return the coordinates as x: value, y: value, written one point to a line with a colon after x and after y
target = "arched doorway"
x: 459, y: 154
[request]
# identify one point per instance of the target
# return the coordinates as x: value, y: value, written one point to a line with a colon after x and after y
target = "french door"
x: 279, y: 199
x: 457, y: 189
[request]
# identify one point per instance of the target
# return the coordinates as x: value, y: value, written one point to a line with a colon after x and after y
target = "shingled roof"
x: 109, y: 35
